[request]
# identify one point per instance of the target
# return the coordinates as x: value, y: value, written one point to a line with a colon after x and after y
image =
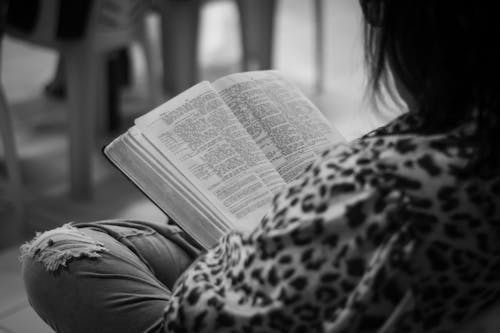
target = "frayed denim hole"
x: 55, y: 248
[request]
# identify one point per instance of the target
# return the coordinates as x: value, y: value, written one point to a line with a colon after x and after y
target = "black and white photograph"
x: 265, y: 166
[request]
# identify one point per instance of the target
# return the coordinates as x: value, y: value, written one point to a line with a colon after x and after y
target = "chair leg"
x: 179, y: 22
x: 257, y: 30
x: 147, y: 45
x: 101, y: 90
x: 82, y: 69
x: 11, y: 156
x: 319, y: 46
x: 114, y: 66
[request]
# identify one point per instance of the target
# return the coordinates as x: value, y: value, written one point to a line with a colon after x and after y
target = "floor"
x: 40, y: 125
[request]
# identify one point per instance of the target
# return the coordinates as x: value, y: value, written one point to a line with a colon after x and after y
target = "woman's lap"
x: 108, y: 276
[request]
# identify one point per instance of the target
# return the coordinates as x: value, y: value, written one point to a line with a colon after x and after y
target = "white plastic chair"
x: 7, y: 137
x: 180, y: 24
x: 11, y: 157
x: 112, y: 24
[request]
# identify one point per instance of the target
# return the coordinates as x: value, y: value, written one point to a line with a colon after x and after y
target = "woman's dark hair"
x: 445, y: 53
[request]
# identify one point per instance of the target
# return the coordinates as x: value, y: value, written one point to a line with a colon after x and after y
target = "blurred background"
x: 74, y: 75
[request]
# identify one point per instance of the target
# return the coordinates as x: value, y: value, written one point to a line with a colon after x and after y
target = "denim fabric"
x: 107, y: 276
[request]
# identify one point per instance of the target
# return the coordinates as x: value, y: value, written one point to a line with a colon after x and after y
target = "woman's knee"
x: 81, y: 280
x: 50, y: 251
x: 55, y: 248
x: 44, y: 258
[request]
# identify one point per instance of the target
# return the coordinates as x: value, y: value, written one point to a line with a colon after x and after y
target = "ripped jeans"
x: 107, y: 276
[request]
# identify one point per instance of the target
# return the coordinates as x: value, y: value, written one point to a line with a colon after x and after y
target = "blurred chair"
x: 180, y: 25
x: 8, y: 138
x: 111, y: 24
x: 11, y: 156
x: 179, y: 34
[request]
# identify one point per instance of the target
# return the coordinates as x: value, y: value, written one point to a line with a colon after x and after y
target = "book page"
x: 171, y: 176
x: 141, y: 163
x: 286, y: 126
x: 199, y: 134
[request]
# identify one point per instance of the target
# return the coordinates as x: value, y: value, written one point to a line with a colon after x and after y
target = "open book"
x: 213, y: 157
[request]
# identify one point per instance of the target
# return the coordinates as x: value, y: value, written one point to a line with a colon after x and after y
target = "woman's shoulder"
x: 400, y: 155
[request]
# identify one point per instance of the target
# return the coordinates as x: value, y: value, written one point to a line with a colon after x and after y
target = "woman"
x: 398, y: 231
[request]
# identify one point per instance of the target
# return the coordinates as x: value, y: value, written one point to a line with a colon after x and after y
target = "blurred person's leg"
x: 179, y: 33
x: 119, y: 76
x: 110, y: 276
x: 119, y: 72
x: 56, y: 88
x: 257, y: 31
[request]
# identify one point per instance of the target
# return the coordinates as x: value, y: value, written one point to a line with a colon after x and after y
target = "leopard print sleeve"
x: 360, y: 243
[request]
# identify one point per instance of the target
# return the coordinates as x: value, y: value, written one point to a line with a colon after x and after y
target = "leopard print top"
x: 389, y: 233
